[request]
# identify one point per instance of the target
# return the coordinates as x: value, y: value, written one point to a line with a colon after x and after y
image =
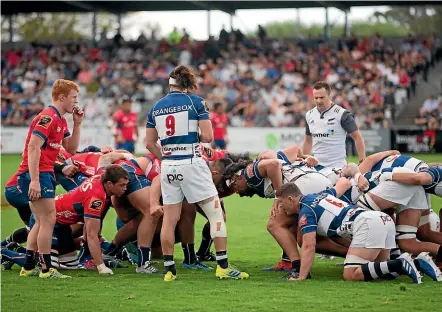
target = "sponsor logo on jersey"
x: 206, y: 108
x: 208, y: 151
x: 320, y: 135
x: 55, y: 145
x: 171, y: 110
x: 45, y: 121
x: 65, y: 214
x: 170, y: 150
x: 58, y: 129
x: 249, y: 171
x: 96, y: 204
x: 303, y: 220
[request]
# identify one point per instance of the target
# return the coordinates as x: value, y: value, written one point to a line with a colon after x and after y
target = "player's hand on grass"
x: 107, y: 149
x: 103, y: 269
x: 78, y: 115
x: 34, y: 192
x: 156, y: 211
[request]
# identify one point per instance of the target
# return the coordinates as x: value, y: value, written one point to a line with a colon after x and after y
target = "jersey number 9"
x: 170, y: 125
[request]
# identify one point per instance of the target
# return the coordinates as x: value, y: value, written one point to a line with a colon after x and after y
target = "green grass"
x: 250, y: 248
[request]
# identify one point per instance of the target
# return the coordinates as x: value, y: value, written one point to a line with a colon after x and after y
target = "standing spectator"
x: 126, y: 133
x: 220, y: 121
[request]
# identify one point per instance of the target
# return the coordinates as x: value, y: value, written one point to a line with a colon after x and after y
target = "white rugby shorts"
x: 406, y: 196
x: 190, y: 178
x: 373, y: 229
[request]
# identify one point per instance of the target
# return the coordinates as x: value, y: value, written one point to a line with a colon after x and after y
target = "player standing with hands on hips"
x: 47, y: 133
x: 181, y: 121
x: 326, y: 129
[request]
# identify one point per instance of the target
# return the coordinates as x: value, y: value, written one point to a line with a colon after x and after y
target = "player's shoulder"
x: 194, y: 96
x: 336, y: 109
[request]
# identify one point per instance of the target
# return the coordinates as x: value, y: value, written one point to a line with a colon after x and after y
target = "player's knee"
x: 348, y: 274
x: 213, y: 211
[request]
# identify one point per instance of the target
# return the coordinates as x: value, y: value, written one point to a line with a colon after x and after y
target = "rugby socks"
x: 111, y: 250
x: 143, y: 254
x: 169, y: 264
x: 45, y: 261
x: 296, y: 265
x: 189, y: 253
x: 29, y: 260
x: 206, y: 241
x: 439, y: 254
x: 386, y: 269
x: 84, y: 253
x: 19, y: 236
x: 221, y: 259
x: 15, y: 257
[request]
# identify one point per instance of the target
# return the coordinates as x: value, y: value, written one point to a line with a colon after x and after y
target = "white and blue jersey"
x: 352, y: 195
x: 332, y: 174
x: 402, y: 161
x: 327, y: 215
x: 435, y: 187
x: 176, y: 118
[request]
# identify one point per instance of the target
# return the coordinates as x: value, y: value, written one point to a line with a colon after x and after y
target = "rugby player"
x: 176, y: 120
x: 47, y: 133
x: 87, y: 204
x: 262, y: 177
x: 137, y: 191
x: 371, y: 232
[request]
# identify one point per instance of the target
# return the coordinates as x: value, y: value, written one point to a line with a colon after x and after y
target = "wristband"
x: 357, y: 176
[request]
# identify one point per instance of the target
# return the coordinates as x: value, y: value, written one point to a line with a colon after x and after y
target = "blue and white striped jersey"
x: 332, y: 174
x: 352, y: 195
x: 396, y: 161
x: 176, y: 117
x: 435, y: 187
x: 327, y: 215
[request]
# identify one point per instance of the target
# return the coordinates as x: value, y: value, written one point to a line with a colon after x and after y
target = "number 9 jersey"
x: 176, y: 119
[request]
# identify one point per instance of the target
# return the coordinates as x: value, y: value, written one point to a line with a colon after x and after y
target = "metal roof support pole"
x: 231, y: 22
x: 208, y: 24
x: 94, y: 28
x: 120, y: 28
x: 327, y: 26
x: 11, y: 28
x: 347, y: 24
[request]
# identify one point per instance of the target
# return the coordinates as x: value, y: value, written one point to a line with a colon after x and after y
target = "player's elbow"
x: 206, y: 137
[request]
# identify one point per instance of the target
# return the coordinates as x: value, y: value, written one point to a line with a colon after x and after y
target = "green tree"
x: 416, y: 20
x: 292, y: 29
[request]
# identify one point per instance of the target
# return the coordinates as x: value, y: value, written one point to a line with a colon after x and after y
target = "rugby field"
x: 250, y: 248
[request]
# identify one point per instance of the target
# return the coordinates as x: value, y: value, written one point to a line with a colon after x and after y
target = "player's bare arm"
x: 34, y: 146
x: 92, y: 231
x: 152, y: 142
x: 307, y: 255
x: 206, y: 135
x: 110, y: 158
x: 341, y: 186
x: 271, y: 168
x: 307, y: 145
x: 71, y: 143
x: 373, y: 159
x: 359, y: 143
x: 156, y: 210
x: 421, y: 178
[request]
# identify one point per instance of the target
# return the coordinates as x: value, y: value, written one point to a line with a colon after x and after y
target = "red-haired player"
x: 47, y: 133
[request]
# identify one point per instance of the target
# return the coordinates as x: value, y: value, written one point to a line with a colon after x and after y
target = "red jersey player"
x: 47, y: 133
x: 219, y: 121
x: 89, y: 203
x: 126, y: 126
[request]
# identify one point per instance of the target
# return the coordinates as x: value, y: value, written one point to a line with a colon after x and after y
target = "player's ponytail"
x: 184, y: 78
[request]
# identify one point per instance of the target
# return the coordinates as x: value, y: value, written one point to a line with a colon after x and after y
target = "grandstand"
x: 266, y: 87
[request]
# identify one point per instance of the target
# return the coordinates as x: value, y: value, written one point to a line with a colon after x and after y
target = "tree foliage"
x: 292, y: 29
x: 416, y: 20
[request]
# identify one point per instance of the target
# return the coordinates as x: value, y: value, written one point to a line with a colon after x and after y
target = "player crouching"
x: 372, y: 234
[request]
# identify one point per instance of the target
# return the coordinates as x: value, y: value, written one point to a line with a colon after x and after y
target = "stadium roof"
x: 15, y: 7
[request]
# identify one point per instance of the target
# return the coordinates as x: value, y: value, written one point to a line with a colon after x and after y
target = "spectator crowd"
x: 261, y: 82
